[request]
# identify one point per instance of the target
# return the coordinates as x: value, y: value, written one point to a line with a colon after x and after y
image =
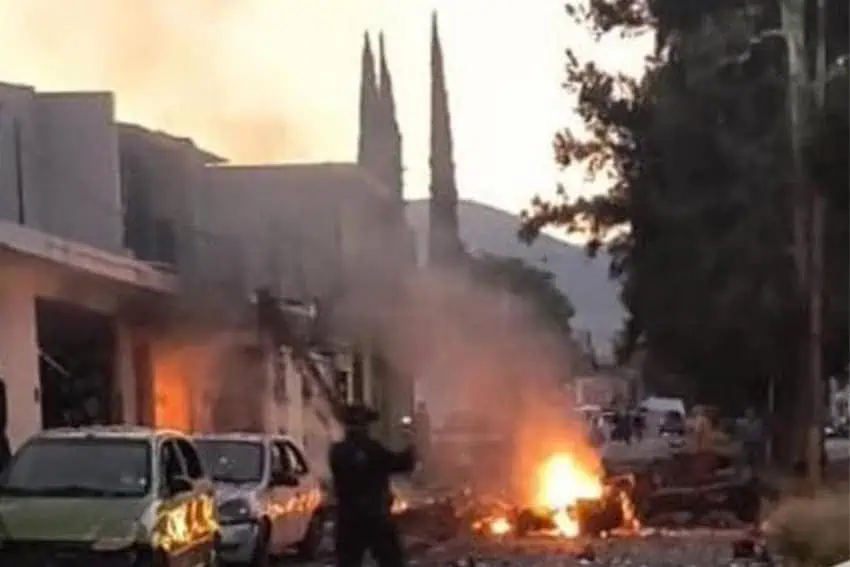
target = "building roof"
x: 167, y: 140
x: 327, y: 176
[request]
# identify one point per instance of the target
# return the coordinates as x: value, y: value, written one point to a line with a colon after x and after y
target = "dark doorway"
x: 76, y: 365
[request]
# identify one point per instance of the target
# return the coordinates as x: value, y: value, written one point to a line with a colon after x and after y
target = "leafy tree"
x: 699, y: 155
x: 534, y: 285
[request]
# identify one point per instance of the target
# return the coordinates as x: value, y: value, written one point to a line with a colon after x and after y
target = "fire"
x: 500, y: 526
x: 561, y: 482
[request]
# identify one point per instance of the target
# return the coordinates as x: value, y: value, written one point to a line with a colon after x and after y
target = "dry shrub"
x: 814, y: 531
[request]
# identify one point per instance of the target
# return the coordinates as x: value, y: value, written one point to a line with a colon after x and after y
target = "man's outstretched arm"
x: 400, y: 462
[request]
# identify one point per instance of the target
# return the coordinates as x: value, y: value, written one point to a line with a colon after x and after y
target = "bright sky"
x: 277, y: 80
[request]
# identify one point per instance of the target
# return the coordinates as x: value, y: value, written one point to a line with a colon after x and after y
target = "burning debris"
x: 571, y: 500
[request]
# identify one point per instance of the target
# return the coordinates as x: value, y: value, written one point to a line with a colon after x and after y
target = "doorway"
x: 76, y: 365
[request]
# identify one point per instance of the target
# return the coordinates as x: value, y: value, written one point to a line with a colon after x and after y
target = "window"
x: 278, y: 464
x: 297, y: 462
x: 233, y: 462
x: 170, y: 462
x: 190, y: 458
x: 280, y: 451
x: 75, y: 467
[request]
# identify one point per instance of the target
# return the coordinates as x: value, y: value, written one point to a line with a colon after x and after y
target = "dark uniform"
x: 361, y: 468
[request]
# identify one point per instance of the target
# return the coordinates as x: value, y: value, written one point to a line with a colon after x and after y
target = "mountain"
x: 585, y: 281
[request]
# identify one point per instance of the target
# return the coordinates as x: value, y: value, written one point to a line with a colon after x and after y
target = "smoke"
x: 480, y: 351
x: 224, y: 71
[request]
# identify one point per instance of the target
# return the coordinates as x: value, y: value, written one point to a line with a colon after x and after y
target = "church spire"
x: 444, y: 246
x: 390, y: 130
x: 366, y: 141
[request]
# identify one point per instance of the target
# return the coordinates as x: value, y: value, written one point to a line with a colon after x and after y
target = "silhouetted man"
x: 361, y: 468
x: 5, y: 449
x: 639, y: 423
x: 422, y: 429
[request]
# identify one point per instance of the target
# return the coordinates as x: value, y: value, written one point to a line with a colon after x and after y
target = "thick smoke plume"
x: 224, y: 71
x: 479, y: 350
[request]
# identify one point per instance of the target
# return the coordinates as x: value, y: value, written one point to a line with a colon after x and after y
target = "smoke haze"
x: 479, y: 350
x: 224, y: 72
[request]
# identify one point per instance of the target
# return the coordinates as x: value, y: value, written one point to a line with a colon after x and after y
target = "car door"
x: 305, y: 493
x: 280, y: 499
x: 173, y: 518
x: 203, y: 523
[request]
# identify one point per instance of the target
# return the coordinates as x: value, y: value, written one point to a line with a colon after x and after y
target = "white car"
x: 269, y: 501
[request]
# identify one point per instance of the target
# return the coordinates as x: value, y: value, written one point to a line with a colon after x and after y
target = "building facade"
x: 145, y: 251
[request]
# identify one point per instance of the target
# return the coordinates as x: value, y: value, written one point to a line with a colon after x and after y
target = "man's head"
x: 358, y: 417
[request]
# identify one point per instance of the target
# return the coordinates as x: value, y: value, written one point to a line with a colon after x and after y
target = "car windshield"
x: 236, y: 462
x: 79, y: 467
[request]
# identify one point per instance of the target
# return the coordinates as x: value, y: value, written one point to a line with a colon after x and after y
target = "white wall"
x: 22, y: 281
x: 78, y: 167
x: 59, y: 154
x: 19, y: 359
x: 18, y: 166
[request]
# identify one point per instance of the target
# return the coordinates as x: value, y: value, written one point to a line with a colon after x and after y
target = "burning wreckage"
x: 686, y: 488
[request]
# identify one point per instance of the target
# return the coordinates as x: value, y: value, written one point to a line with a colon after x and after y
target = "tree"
x: 536, y: 286
x: 699, y: 153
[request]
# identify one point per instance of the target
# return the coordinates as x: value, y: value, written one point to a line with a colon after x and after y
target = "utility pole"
x: 809, y: 208
x: 816, y: 258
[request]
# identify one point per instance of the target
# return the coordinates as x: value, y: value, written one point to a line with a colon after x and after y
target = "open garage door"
x: 76, y: 365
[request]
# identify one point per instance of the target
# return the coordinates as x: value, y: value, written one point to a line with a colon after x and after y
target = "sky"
x: 277, y: 80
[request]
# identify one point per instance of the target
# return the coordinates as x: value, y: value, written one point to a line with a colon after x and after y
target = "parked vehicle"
x: 268, y: 498
x: 122, y: 495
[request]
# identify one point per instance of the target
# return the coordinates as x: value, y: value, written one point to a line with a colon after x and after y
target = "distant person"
x: 5, y: 449
x: 639, y: 423
x: 361, y: 468
x: 422, y: 431
x: 596, y: 434
x: 622, y: 428
x: 752, y: 438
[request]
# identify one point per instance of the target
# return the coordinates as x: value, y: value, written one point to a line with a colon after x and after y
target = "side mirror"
x: 179, y: 484
x: 284, y: 478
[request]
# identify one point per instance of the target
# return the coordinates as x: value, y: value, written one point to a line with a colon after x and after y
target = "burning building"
x: 129, y: 265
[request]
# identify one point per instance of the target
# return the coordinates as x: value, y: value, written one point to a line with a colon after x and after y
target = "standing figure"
x: 5, y: 449
x: 422, y: 429
x: 361, y: 468
x: 752, y: 437
x: 639, y: 423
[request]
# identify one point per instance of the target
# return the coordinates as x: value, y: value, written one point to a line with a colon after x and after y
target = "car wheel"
x: 261, y: 556
x: 308, y: 548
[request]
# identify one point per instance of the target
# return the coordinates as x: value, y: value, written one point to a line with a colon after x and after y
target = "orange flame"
x: 561, y: 481
x: 500, y: 526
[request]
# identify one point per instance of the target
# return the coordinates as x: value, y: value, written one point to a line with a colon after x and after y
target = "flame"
x: 561, y: 481
x: 500, y: 526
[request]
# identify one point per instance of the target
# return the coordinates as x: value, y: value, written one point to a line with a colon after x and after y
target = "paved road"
x: 838, y: 450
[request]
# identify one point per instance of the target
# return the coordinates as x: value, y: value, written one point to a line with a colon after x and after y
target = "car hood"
x: 226, y: 491
x: 69, y: 519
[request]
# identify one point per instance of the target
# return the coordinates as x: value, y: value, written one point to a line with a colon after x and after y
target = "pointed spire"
x: 444, y: 240
x: 368, y: 102
x: 391, y: 134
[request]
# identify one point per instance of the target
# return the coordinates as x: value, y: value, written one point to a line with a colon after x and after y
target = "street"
x: 838, y: 449
x: 696, y: 548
